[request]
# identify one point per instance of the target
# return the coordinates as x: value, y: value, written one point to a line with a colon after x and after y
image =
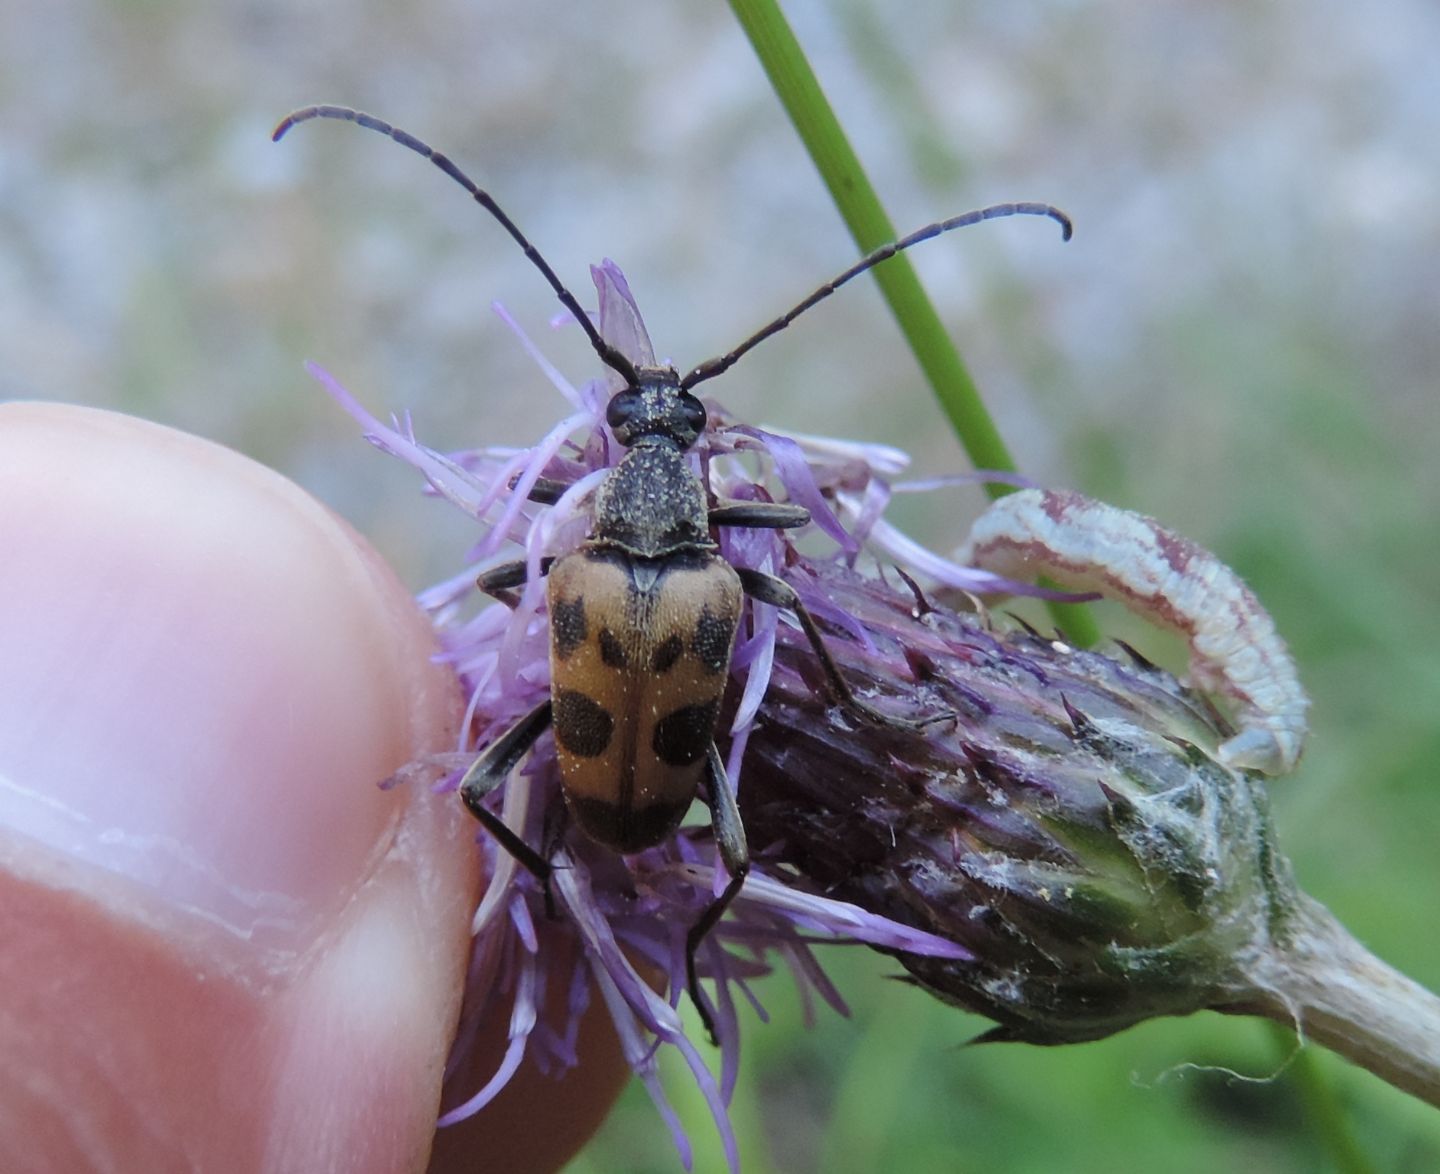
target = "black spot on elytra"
x: 567, y: 625
x: 667, y: 653
x: 612, y: 652
x: 711, y: 641
x: 683, y: 736
x: 582, y: 726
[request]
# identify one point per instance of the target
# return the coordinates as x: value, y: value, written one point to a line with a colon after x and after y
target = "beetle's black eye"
x: 692, y: 417
x: 622, y: 408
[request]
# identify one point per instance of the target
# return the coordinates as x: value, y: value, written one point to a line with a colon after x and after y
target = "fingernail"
x: 202, y: 678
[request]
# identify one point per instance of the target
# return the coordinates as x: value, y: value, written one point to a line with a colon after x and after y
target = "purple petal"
x: 620, y: 322
x: 795, y: 474
x: 552, y: 373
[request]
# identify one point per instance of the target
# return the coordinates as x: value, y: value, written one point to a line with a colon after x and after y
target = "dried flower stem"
x: 1319, y: 979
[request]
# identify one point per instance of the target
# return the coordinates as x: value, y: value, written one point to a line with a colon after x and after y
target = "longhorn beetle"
x: 643, y: 615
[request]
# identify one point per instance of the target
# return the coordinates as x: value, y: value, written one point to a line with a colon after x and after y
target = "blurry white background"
x: 1241, y: 339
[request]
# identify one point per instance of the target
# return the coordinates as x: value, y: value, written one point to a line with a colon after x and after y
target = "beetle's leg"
x: 499, y: 581
x: 759, y: 515
x: 777, y: 592
x: 735, y: 855
x: 491, y: 769
x: 552, y: 835
x: 545, y: 491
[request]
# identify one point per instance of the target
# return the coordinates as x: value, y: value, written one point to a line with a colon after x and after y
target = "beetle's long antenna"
x: 722, y: 363
x: 608, y: 354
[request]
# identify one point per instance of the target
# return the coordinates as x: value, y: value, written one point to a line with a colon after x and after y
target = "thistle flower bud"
x: 1071, y: 829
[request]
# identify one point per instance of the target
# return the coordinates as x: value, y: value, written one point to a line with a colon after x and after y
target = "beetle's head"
x: 655, y: 406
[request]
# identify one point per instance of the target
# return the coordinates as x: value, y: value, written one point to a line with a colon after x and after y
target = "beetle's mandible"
x: 644, y: 614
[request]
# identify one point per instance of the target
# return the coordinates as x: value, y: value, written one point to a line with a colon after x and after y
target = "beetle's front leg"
x: 759, y: 515
x: 735, y: 855
x: 777, y: 592
x: 545, y: 491
x: 499, y: 582
x: 491, y: 769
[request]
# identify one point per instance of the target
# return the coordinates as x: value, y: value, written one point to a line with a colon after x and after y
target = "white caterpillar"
x: 1234, y: 648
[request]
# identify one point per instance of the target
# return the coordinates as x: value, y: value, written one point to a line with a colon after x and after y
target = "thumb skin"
x: 222, y: 947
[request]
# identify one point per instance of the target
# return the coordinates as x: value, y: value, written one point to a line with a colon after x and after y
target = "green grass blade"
x: 799, y: 91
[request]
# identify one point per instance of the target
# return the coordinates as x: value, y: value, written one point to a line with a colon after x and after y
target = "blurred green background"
x: 1242, y: 340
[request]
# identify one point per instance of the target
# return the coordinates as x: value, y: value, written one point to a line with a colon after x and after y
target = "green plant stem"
x: 799, y: 91
x: 1327, y: 1116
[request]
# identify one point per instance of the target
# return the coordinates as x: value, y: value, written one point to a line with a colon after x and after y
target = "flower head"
x: 631, y: 915
x: 1066, y: 855
x: 1077, y: 833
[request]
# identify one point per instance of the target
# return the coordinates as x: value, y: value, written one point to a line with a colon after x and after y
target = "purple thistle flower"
x: 640, y: 906
x: 1069, y: 856
x: 1086, y: 847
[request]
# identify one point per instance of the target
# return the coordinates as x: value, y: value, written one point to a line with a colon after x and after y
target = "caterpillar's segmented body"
x: 1234, y: 649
